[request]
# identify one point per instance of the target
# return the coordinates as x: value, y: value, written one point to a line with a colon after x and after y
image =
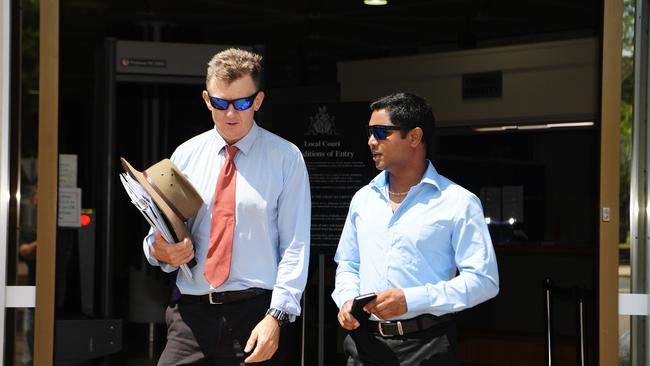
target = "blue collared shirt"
x: 437, y: 229
x: 273, y: 214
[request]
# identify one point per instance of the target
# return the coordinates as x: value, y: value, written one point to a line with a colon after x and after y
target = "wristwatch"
x: 279, y: 315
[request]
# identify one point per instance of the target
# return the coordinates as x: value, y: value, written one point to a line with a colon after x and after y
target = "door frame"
x: 609, y: 181
x: 5, y: 61
x: 48, y: 132
x: 48, y: 163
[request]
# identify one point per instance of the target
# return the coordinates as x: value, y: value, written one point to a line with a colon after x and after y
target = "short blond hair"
x: 233, y: 63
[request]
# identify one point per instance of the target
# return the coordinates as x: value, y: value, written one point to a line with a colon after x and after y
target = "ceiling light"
x: 375, y: 2
x: 534, y: 127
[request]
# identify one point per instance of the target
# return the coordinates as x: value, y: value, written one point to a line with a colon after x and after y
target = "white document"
x: 141, y: 199
x: 69, y: 207
x: 68, y: 170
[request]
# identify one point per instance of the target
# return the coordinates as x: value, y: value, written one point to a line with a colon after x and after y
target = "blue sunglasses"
x: 240, y: 104
x: 380, y: 132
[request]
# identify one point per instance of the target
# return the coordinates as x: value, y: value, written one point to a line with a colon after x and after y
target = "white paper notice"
x: 69, y: 207
x: 67, y: 170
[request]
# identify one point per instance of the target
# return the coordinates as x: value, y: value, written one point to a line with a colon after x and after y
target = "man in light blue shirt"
x: 415, y: 239
x: 239, y: 320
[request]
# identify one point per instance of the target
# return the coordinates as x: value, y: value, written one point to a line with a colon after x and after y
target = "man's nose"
x: 372, y: 140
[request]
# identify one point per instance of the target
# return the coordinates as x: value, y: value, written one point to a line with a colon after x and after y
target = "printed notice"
x: 67, y: 170
x: 69, y: 212
x: 333, y: 141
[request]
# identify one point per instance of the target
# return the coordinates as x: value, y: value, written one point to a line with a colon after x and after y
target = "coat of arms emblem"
x: 321, y: 123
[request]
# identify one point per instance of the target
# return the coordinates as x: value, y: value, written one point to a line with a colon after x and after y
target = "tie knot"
x: 231, y: 151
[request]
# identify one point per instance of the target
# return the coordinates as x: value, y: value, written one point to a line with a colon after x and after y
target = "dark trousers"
x: 436, y: 346
x: 204, y: 334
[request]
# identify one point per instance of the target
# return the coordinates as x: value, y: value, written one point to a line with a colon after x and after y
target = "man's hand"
x: 263, y: 341
x: 346, y: 319
x: 388, y: 304
x: 172, y: 254
x: 27, y: 250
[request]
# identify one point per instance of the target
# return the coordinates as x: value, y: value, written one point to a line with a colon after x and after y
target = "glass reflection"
x: 21, y: 255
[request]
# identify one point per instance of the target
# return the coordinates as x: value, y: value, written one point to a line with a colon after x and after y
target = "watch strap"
x: 279, y: 315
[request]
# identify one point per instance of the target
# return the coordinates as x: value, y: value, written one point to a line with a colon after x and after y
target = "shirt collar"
x: 430, y: 176
x: 245, y: 144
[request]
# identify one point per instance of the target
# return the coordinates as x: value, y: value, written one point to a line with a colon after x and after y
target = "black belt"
x: 226, y: 297
x: 402, y: 327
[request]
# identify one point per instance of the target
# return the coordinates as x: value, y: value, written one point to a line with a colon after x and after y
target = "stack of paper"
x: 141, y: 199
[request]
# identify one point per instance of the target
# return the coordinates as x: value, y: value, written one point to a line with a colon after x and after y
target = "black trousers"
x: 436, y: 346
x: 204, y: 334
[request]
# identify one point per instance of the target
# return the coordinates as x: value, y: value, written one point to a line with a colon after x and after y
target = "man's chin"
x: 230, y: 137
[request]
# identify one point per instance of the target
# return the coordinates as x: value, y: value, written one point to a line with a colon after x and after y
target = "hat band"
x: 164, y: 198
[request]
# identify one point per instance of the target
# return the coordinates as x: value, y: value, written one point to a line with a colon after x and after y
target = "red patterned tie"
x: 222, y: 229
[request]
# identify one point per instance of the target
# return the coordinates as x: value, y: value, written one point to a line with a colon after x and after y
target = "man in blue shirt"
x: 415, y: 239
x: 237, y: 318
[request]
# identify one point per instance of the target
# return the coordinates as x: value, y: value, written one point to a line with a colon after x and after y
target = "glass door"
x: 28, y: 177
x: 633, y: 250
x: 20, y: 176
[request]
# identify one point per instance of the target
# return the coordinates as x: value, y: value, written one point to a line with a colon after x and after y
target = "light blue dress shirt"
x: 273, y: 214
x: 438, y: 228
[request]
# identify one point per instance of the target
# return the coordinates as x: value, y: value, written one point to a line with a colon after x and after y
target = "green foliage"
x: 627, y: 94
x: 627, y: 114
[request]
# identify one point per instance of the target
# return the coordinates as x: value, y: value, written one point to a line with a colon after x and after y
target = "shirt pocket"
x: 427, y: 241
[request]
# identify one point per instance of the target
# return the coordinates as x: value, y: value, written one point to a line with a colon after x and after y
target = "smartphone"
x: 358, y: 303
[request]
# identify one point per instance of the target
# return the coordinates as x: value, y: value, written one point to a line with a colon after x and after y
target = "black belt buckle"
x: 212, y: 299
x: 389, y: 329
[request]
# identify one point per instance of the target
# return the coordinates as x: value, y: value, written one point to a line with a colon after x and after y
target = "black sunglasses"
x: 380, y: 132
x: 240, y: 104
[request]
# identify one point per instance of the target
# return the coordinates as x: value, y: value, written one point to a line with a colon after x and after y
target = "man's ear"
x: 257, y: 103
x: 415, y: 136
x: 206, y: 99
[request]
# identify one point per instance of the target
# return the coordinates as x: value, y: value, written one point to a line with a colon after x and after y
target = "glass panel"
x: 517, y: 176
x: 627, y: 118
x: 524, y: 180
x: 23, y: 338
x: 24, y: 130
x: 21, y: 241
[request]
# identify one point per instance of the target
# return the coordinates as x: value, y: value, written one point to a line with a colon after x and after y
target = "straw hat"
x: 172, y: 192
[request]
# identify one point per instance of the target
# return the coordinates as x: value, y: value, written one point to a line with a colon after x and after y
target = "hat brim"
x: 177, y: 225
